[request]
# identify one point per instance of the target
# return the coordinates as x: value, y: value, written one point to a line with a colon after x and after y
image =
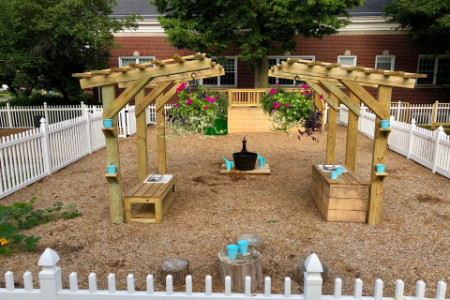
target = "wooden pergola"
x: 164, y: 76
x: 327, y: 79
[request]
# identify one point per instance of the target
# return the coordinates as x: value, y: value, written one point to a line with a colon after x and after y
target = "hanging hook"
x: 297, y: 78
x: 193, y: 76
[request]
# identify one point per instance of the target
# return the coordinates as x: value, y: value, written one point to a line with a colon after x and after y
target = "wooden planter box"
x: 345, y: 199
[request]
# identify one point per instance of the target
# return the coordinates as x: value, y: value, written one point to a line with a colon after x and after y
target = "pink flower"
x: 181, y: 87
x: 305, y: 87
x: 321, y: 97
x: 287, y: 105
x: 189, y: 102
x: 303, y: 94
x: 206, y: 107
x: 273, y: 91
x: 209, y: 99
x: 217, y: 106
x: 217, y: 96
x: 276, y: 84
x: 276, y: 104
x: 176, y: 105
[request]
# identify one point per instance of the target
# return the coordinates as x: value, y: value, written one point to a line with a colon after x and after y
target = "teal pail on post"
x: 384, y: 124
x: 107, y: 123
x: 339, y: 169
x: 243, y: 246
x: 232, y: 251
x: 112, y: 170
x: 380, y: 168
x: 334, y: 174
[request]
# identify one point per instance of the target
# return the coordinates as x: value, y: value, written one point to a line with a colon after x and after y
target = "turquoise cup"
x: 243, y: 246
x: 334, y: 174
x: 262, y: 161
x: 380, y: 168
x: 112, y: 170
x: 107, y: 123
x: 339, y: 169
x: 384, y: 124
x: 232, y: 251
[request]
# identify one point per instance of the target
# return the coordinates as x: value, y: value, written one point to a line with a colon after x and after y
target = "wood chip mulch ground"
x: 211, y: 210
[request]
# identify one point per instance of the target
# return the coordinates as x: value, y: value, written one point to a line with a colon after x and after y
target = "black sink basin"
x: 244, y: 160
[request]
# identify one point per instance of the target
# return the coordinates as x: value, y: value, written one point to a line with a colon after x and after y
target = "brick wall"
x: 365, y: 47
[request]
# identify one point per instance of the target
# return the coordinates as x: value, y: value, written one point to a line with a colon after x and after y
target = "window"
x: 347, y: 60
x: 436, y: 67
x: 385, y: 62
x: 275, y: 60
x: 227, y: 80
x: 127, y: 60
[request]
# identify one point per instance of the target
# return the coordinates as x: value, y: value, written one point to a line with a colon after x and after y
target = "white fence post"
x: 312, y: 278
x: 46, y: 112
x: 88, y: 127
x: 50, y: 277
x: 410, y: 138
x: 437, y: 137
x: 8, y: 110
x: 83, y: 108
x: 45, y: 143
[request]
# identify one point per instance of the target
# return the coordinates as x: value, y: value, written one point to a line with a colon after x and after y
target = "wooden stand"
x: 345, y: 199
x: 263, y: 170
x: 154, y: 198
x: 249, y: 264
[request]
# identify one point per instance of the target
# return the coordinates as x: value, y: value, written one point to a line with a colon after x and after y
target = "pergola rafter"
x: 163, y: 76
x: 327, y: 79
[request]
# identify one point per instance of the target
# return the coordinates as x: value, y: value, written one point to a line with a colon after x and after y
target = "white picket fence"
x: 423, y: 114
x: 429, y: 148
x: 50, y: 281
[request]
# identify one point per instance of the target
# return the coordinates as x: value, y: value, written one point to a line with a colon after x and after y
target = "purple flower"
x: 273, y: 91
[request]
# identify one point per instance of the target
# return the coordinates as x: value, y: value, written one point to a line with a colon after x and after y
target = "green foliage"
x: 43, y: 42
x: 24, y: 216
x: 196, y: 110
x: 255, y: 29
x: 38, y: 99
x: 427, y: 20
x: 290, y: 110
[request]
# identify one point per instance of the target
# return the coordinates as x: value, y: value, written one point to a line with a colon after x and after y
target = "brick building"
x: 369, y: 41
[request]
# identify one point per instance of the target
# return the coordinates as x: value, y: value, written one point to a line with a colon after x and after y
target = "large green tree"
x: 256, y: 28
x: 428, y: 22
x: 42, y: 42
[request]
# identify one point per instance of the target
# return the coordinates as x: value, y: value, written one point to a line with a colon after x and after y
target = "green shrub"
x: 37, y: 99
x: 20, y: 216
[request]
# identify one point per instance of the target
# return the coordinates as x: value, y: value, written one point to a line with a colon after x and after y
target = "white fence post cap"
x: 48, y: 259
x: 313, y: 264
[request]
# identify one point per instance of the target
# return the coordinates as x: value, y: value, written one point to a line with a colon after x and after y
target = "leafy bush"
x: 196, y: 110
x: 37, y: 99
x: 289, y: 110
x: 24, y: 216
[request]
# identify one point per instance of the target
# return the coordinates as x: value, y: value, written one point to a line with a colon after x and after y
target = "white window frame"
x: 348, y: 56
x: 200, y: 82
x: 137, y: 58
x: 436, y: 66
x: 392, y: 57
x: 279, y: 57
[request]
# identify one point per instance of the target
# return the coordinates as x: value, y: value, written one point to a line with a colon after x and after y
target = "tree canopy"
x: 427, y: 20
x: 42, y: 42
x: 256, y: 28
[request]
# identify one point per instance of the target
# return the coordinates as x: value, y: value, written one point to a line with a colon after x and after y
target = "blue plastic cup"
x: 107, y: 123
x: 339, y: 169
x: 112, y: 170
x: 334, y: 174
x: 232, y: 251
x: 262, y: 161
x: 380, y: 168
x: 243, y: 246
x: 384, y: 124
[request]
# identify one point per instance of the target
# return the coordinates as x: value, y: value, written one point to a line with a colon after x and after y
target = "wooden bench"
x: 153, y: 200
x: 343, y: 200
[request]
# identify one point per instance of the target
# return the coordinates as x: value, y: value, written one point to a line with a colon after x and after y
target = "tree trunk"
x: 261, y: 68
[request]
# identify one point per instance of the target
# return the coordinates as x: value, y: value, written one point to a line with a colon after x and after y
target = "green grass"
x: 4, y: 95
x: 446, y: 128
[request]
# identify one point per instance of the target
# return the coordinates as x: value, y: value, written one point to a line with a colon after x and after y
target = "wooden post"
x: 141, y: 134
x: 352, y: 136
x: 331, y: 138
x: 379, y: 157
x: 161, y: 131
x: 112, y: 159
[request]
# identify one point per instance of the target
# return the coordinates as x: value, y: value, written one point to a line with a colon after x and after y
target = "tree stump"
x: 178, y: 268
x: 254, y: 241
x: 243, y: 265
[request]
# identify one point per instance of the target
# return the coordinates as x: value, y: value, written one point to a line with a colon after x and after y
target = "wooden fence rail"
x: 50, y: 281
